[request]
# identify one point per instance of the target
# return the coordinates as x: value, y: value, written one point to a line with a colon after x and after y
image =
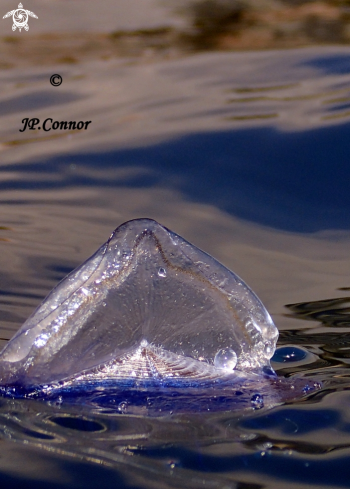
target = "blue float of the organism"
x: 149, y: 324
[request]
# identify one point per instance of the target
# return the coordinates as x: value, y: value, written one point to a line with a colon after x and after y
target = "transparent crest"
x: 146, y: 304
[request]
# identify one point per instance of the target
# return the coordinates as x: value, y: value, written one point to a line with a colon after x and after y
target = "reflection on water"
x: 167, y: 29
x: 243, y: 154
x: 201, y: 449
x: 331, y: 347
x: 199, y: 113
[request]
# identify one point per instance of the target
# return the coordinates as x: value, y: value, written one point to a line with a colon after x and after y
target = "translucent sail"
x: 147, y: 304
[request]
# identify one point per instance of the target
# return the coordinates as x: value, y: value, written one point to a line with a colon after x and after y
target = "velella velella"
x: 149, y: 317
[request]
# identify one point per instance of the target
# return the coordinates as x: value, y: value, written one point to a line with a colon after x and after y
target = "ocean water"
x: 244, y: 154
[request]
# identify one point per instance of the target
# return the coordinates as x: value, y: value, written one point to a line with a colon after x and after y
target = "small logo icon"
x: 56, y: 80
x: 20, y: 18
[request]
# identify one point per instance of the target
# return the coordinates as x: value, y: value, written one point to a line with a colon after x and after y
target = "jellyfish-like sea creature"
x: 150, y: 322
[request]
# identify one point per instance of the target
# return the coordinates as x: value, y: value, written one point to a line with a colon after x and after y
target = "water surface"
x: 246, y: 156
